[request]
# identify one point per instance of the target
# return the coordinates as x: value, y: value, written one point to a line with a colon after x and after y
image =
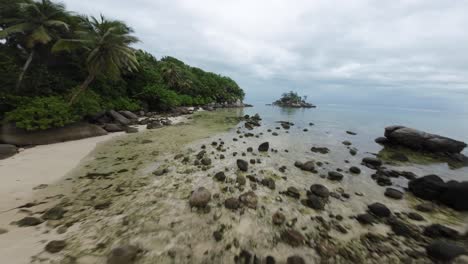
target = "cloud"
x: 354, y: 45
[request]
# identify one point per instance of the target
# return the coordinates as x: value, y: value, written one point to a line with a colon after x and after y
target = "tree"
x: 33, y: 24
x: 107, y: 45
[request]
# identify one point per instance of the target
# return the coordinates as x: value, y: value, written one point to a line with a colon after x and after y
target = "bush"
x: 42, y: 113
x: 87, y: 104
x: 121, y: 103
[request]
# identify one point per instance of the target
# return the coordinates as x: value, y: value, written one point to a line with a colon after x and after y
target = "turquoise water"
x: 332, y: 121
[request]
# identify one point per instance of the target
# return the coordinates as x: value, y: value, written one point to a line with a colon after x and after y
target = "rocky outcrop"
x: 7, y: 150
x: 10, y: 134
x: 431, y: 187
x: 419, y: 140
x: 119, y: 118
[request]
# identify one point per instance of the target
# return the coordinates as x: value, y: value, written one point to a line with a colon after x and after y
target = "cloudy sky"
x: 410, y: 52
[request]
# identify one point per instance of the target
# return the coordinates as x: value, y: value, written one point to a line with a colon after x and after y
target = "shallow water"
x: 152, y: 212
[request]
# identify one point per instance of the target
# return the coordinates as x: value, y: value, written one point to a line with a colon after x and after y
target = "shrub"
x: 121, y: 103
x: 87, y: 104
x: 42, y: 113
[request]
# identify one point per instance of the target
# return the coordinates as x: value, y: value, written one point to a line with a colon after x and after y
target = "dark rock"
x: 393, y: 193
x: 444, y: 250
x: 307, y: 166
x: 130, y: 130
x: 206, y: 161
x: 401, y: 228
x: 126, y: 254
x: 379, y: 210
x: 102, y: 205
x: 278, y: 218
x: 381, y: 140
x: 55, y: 246
x: 232, y: 203
x: 241, y: 180
x: 355, y: 170
x: 292, y: 237
x: 113, y: 128
x: 220, y: 176
x: 419, y: 140
x: 249, y: 199
x: 320, y: 190
x: 269, y: 182
x: 128, y: 115
x: 373, y: 162
x: 265, y: 146
x: 119, y: 118
x: 315, y: 202
x: 7, y: 150
x: 415, y: 216
x: 200, y: 198
x: 347, y: 143
x: 55, y: 213
x: 365, y: 219
x: 440, y: 231
x: 293, y: 192
x: 295, y: 260
x: 353, y: 151
x: 242, y: 165
x: 335, y: 176
x: 10, y: 134
x: 321, y: 150
x: 425, y: 207
x: 29, y: 221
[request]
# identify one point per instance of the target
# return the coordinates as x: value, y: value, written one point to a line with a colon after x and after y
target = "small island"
x: 292, y: 99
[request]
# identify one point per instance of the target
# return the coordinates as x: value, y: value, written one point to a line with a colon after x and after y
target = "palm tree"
x: 34, y: 24
x: 107, y: 44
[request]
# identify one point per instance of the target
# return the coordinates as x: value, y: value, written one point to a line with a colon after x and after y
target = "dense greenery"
x: 291, y: 97
x: 57, y: 67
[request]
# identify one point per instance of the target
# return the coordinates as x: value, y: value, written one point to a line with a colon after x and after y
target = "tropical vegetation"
x: 57, y: 67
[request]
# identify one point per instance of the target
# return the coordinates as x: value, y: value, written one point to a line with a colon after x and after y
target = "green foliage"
x: 290, y: 97
x: 69, y: 55
x: 42, y: 113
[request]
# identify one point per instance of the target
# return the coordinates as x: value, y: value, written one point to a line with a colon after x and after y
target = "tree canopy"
x: 51, y: 58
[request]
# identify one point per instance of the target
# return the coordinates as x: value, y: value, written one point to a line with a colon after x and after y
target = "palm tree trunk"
x: 23, y: 71
x: 82, y: 88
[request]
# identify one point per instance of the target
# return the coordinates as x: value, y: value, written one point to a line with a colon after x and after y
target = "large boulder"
x: 7, y: 150
x: 431, y: 187
x: 10, y: 134
x: 119, y: 118
x: 419, y: 140
x: 129, y: 115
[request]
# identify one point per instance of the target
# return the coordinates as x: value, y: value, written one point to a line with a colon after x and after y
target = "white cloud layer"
x: 417, y: 45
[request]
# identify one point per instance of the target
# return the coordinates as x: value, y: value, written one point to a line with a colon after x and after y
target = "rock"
x: 206, y: 161
x: 307, y: 166
x: 293, y: 192
x: 419, y: 140
x: 113, y: 128
x: 366, y: 219
x: 102, y: 205
x: 55, y: 246
x: 315, y: 202
x: 379, y: 210
x: 444, y: 250
x: 265, y: 146
x: 393, y: 193
x: 131, y: 130
x: 295, y: 260
x: 128, y: 115
x: 154, y: 124
x: 373, y: 162
x: 381, y: 140
x: 232, y: 203
x: 278, y: 218
x: 126, y: 254
x: 269, y: 182
x: 10, y: 134
x: 351, y: 133
x: 249, y: 199
x: 119, y: 118
x: 401, y: 228
x: 353, y: 151
x: 292, y: 237
x: 320, y: 190
x: 425, y: 207
x: 321, y: 150
x: 335, y: 176
x: 7, y: 150
x: 415, y: 216
x: 160, y: 171
x: 242, y: 165
x: 355, y: 170
x: 29, y: 221
x: 347, y: 143
x: 200, y: 198
x: 441, y: 231
x: 220, y: 176
x: 55, y: 213
x: 241, y: 180
x: 433, y: 188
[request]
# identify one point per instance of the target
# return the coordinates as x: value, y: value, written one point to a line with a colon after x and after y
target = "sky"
x: 411, y: 53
